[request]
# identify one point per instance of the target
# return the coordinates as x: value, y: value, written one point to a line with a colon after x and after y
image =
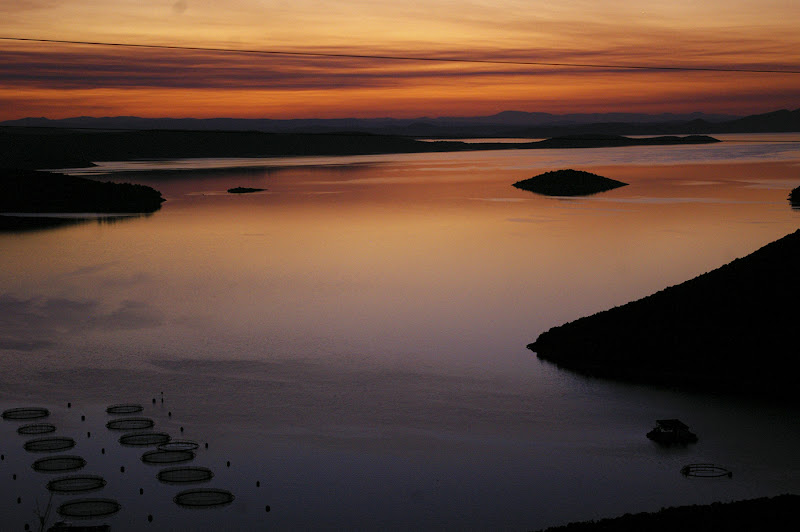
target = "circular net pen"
x: 167, y: 457
x: 49, y: 445
x: 144, y: 439
x: 185, y: 475
x: 25, y: 413
x: 179, y: 445
x: 705, y: 471
x: 33, y: 429
x: 124, y: 409
x: 130, y: 423
x: 203, y: 498
x: 89, y: 508
x: 76, y: 484
x: 59, y: 464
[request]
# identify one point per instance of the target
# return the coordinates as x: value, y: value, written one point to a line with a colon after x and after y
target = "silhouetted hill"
x: 775, y: 121
x: 27, y: 191
x: 500, y: 124
x: 771, y: 514
x: 67, y: 148
x: 732, y: 330
x: 504, y: 124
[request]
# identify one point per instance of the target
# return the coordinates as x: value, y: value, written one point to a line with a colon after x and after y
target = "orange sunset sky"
x: 58, y: 80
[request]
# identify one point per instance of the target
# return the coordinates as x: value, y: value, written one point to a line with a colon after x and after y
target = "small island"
x: 245, y: 190
x: 794, y: 198
x: 568, y: 183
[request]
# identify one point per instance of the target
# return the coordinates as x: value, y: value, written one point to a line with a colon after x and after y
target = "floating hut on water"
x: 672, y: 431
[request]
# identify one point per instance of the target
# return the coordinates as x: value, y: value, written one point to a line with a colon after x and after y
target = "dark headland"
x: 568, y: 183
x: 794, y: 198
x: 31, y: 191
x: 50, y: 192
x: 731, y: 330
x: 766, y: 513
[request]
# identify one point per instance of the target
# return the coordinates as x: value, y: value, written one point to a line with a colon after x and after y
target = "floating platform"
x: 672, y: 431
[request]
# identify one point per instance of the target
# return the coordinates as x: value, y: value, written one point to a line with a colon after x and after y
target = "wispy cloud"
x: 76, y: 66
x: 605, y: 37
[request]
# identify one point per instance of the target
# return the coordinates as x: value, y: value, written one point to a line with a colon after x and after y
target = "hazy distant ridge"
x: 507, y: 123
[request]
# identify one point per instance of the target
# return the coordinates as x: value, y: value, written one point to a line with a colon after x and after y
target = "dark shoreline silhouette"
x: 36, y: 148
x: 794, y: 198
x: 39, y: 192
x: 568, y: 183
x: 765, y: 513
x: 731, y: 330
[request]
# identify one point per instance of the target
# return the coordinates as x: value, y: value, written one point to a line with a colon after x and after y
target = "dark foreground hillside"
x: 766, y: 514
x: 733, y: 330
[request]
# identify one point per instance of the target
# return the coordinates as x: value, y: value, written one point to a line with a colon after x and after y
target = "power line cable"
x: 400, y: 57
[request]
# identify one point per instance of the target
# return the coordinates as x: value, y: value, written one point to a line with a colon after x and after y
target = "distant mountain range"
x: 505, y: 124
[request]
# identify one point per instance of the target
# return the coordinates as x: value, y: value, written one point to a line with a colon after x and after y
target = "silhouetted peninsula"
x: 794, y: 198
x: 767, y: 513
x: 568, y: 183
x: 29, y: 191
x: 244, y: 190
x: 732, y: 330
x: 63, y: 148
x: 616, y: 141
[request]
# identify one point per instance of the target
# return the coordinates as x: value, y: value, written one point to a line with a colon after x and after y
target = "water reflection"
x: 354, y: 339
x: 28, y: 222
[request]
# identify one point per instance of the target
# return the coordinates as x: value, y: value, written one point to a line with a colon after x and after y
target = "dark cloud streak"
x: 433, y: 58
x: 84, y: 67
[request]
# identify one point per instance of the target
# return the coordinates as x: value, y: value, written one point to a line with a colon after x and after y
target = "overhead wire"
x: 389, y: 57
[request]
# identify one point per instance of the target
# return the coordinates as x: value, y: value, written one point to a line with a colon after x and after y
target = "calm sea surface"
x: 352, y: 340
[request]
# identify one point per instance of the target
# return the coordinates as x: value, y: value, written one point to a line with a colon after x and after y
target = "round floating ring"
x: 49, y: 445
x: 203, y: 498
x: 25, y: 413
x: 128, y: 408
x: 59, y: 464
x: 89, y: 508
x: 144, y: 439
x: 76, y: 484
x: 179, y: 445
x: 167, y: 457
x: 130, y: 423
x: 36, y: 428
x: 185, y: 475
x: 705, y: 471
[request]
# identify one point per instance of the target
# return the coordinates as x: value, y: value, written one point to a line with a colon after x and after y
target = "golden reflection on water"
x: 437, y: 247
